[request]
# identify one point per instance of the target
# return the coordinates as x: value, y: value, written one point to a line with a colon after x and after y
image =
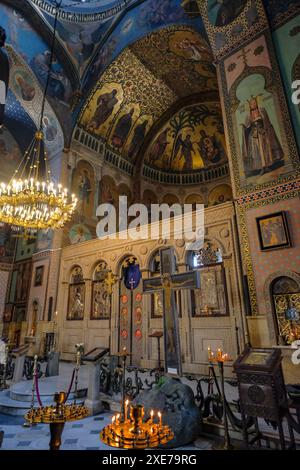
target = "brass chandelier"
x: 31, y: 200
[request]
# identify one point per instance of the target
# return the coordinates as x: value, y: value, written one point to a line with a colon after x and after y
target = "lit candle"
x: 118, y: 418
x: 113, y: 419
x: 151, y: 416
x: 160, y: 418
x: 126, y: 410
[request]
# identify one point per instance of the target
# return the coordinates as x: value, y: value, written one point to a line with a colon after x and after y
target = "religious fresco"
x: 137, y: 137
x: 124, y: 123
x: 24, y: 85
x: 32, y: 67
x: 80, y: 39
x: 84, y: 186
x: 287, y: 45
x: 229, y: 22
x: 179, y: 50
x: 223, y: 12
x: 122, y: 111
x: 7, y: 244
x: 44, y: 240
x: 258, y: 120
x: 99, y: 114
x: 79, y: 233
x: 260, y: 140
x: 10, y: 154
x: 29, y: 44
x: 110, y: 192
x: 193, y: 139
x: 219, y: 195
x: 137, y: 23
x: 138, y: 101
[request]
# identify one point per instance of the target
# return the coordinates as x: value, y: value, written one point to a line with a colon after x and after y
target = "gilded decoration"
x: 128, y: 89
x: 238, y: 21
x: 172, y: 52
x: 142, y: 83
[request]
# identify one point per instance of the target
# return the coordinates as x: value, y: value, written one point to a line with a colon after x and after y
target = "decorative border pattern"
x: 285, y: 17
x: 80, y: 17
x: 242, y: 222
x: 279, y: 191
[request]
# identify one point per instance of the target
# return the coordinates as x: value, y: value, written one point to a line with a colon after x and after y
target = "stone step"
x: 22, y: 391
x: 9, y: 406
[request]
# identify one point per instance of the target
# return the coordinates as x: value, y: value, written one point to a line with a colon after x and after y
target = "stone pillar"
x: 93, y: 402
x: 19, y: 367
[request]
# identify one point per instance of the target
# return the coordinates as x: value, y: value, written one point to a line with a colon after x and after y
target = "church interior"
x: 123, y: 342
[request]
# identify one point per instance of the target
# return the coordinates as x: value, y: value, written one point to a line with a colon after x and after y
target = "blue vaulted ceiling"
x: 90, y: 35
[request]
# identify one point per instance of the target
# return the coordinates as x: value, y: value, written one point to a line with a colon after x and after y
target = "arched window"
x: 100, y: 295
x: 211, y: 298
x: 76, y: 295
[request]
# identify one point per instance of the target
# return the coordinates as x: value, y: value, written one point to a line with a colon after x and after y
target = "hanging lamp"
x: 32, y: 200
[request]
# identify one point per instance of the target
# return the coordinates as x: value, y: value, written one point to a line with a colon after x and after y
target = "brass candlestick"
x: 56, y: 416
x: 123, y: 354
x: 220, y: 358
x: 134, y: 432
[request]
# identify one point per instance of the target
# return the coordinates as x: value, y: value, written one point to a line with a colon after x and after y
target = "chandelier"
x: 32, y: 200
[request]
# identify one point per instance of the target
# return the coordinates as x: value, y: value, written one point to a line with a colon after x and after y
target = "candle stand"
x: 220, y: 358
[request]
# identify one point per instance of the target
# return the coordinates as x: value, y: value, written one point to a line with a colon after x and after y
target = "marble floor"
x: 80, y: 435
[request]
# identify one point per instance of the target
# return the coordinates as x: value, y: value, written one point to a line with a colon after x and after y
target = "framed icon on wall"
x: 273, y: 231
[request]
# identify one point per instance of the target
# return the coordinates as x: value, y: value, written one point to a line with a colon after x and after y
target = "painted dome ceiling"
x: 141, y: 61
x: 152, y: 76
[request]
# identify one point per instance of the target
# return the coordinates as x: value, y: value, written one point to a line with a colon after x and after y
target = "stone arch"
x: 94, y: 266
x: 271, y: 320
x: 122, y: 258
x: 152, y: 252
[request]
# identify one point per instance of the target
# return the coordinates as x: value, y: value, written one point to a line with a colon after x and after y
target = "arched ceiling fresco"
x: 192, y: 139
x: 90, y: 36
x: 144, y: 82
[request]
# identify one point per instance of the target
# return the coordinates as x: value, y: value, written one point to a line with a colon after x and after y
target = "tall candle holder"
x: 220, y: 358
x: 134, y: 433
x: 123, y: 354
x: 56, y: 416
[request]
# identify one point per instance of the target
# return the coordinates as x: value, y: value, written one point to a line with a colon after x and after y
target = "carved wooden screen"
x: 100, y: 296
x: 211, y: 298
x: 76, y: 295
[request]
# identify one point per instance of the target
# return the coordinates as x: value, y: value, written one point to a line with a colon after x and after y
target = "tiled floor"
x: 76, y: 436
